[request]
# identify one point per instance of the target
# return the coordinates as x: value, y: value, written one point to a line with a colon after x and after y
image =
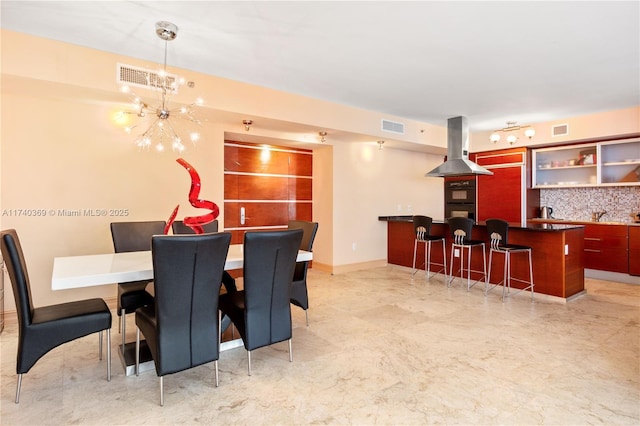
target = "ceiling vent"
x: 146, y: 79
x: 560, y: 130
x: 392, y: 126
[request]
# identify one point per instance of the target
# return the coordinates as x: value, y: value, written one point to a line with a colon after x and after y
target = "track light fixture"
x: 512, y: 126
x: 323, y: 136
x: 380, y: 144
x: 247, y: 124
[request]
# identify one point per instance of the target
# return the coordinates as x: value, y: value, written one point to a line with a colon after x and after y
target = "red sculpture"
x: 195, y: 222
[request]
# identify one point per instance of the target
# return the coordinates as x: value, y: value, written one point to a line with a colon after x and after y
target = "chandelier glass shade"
x: 160, y: 123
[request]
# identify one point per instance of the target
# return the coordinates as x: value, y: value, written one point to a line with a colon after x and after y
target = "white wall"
x: 368, y: 183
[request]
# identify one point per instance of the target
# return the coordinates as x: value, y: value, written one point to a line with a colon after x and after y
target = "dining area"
x: 182, y: 298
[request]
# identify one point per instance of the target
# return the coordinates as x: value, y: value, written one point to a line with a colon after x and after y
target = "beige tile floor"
x: 380, y: 349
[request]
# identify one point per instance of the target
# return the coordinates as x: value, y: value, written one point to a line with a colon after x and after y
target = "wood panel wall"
x: 272, y: 183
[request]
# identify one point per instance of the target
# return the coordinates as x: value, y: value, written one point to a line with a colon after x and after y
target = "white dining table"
x: 99, y: 269
x: 71, y: 272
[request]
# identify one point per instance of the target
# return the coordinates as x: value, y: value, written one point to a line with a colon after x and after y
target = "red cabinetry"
x: 634, y: 250
x: 506, y: 194
x: 605, y: 248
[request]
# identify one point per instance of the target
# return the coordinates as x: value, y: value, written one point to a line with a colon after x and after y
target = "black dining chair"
x: 179, y: 227
x: 128, y: 237
x: 299, y: 292
x: 182, y: 326
x: 47, y: 327
x: 261, y: 311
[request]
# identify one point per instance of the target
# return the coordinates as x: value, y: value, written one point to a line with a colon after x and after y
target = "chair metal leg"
x: 215, y: 363
x: 137, y: 352
x: 120, y: 324
x: 249, y: 361
x: 290, y: 352
x: 162, y: 391
x: 415, y: 252
x: 108, y: 354
x: 469, y: 269
x: 124, y: 327
x: 18, y: 388
x: 427, y: 260
x: 100, y: 345
x: 506, y: 283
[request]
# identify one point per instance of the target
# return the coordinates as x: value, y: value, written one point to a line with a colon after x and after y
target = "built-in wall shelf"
x: 613, y: 163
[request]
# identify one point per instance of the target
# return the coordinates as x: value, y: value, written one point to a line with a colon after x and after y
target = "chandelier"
x: 512, y: 126
x: 163, y: 121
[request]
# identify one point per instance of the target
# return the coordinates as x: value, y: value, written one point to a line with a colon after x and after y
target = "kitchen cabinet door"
x: 606, y: 248
x: 500, y: 195
x: 506, y: 194
x: 634, y: 250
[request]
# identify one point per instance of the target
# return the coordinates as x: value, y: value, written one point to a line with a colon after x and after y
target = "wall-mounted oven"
x: 460, y: 197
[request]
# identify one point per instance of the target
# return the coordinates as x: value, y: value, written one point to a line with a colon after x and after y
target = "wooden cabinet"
x: 506, y: 194
x: 634, y: 250
x: 612, y: 163
x: 606, y: 248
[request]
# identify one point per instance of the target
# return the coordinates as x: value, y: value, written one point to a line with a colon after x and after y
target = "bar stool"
x: 498, y: 232
x: 422, y: 229
x: 460, y: 228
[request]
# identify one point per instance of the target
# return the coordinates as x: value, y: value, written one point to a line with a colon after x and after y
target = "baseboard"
x: 342, y: 269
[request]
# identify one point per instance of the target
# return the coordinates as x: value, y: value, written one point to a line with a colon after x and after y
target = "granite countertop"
x: 579, y: 222
x: 532, y: 226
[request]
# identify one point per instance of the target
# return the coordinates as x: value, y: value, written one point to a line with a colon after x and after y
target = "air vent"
x: 392, y: 126
x: 146, y: 79
x: 560, y: 130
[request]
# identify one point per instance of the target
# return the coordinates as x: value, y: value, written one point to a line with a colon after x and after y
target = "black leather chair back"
x: 17, y: 269
x: 269, y: 263
x: 463, y: 224
x: 500, y: 227
x: 179, y: 227
x: 187, y: 276
x: 309, y: 230
x: 422, y: 226
x: 135, y: 236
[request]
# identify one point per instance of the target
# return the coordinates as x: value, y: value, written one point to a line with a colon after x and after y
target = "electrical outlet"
x: 566, y: 249
x: 456, y: 253
x: 399, y: 207
x: 354, y: 246
x: 409, y: 207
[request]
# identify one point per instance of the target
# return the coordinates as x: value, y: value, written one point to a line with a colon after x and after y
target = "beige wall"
x: 60, y: 151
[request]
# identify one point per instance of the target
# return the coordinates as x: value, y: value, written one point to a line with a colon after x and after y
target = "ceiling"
x: 492, y: 62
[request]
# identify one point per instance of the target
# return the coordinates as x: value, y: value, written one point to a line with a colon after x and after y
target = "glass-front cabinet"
x: 614, y: 163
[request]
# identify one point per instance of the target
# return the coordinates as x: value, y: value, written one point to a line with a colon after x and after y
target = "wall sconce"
x: 380, y: 144
x: 511, y: 126
x: 247, y: 124
x: 323, y: 136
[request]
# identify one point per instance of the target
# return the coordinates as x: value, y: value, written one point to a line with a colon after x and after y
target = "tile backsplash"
x: 578, y: 203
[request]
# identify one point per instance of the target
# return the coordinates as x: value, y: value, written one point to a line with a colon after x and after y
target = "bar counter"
x: 557, y: 252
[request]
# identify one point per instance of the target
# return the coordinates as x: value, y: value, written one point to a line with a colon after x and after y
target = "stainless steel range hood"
x: 458, y: 163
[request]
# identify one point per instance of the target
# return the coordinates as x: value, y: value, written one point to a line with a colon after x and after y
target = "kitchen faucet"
x: 595, y: 216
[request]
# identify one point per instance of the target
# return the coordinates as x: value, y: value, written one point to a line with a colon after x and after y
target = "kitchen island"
x: 557, y: 253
